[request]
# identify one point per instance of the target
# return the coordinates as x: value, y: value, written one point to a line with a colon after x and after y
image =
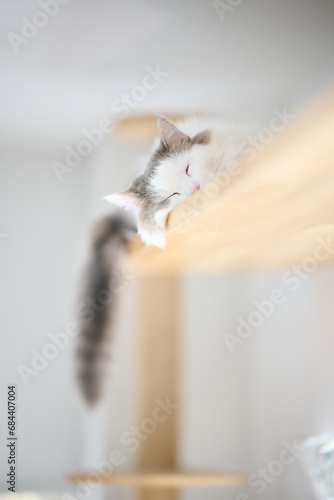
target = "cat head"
x: 174, y: 171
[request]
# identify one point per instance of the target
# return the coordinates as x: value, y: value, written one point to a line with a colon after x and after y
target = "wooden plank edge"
x: 161, y: 479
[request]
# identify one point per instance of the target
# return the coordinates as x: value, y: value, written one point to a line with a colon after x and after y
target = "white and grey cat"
x: 184, y: 158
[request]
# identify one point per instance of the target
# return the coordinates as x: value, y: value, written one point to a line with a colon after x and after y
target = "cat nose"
x: 196, y: 188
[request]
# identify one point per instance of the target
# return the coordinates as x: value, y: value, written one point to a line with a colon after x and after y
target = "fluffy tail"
x: 103, y: 279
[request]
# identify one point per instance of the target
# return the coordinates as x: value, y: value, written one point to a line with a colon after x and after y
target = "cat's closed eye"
x: 171, y: 196
x: 187, y: 171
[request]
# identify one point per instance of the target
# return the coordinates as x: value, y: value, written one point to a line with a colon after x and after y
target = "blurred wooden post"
x: 157, y: 375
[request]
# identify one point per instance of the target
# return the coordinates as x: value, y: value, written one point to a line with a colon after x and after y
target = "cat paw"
x: 156, y: 238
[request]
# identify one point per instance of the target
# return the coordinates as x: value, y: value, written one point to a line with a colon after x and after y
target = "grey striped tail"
x: 103, y: 279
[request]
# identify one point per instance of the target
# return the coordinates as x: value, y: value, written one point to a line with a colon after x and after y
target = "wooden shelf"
x: 271, y: 215
x: 140, y: 128
x: 162, y: 479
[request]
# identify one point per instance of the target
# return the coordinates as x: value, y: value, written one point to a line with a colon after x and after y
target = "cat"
x: 184, y: 158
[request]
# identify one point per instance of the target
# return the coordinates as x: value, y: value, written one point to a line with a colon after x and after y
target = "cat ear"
x: 125, y: 200
x: 201, y: 138
x: 170, y: 135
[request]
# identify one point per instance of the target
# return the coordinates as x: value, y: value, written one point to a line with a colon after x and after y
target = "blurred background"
x: 77, y: 68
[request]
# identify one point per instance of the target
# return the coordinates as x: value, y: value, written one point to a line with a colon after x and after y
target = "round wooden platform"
x: 162, y: 479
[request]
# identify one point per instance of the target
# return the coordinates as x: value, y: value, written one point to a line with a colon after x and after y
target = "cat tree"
x: 277, y: 212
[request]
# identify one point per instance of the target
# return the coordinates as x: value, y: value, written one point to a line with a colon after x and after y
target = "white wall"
x: 44, y: 221
x: 238, y: 408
